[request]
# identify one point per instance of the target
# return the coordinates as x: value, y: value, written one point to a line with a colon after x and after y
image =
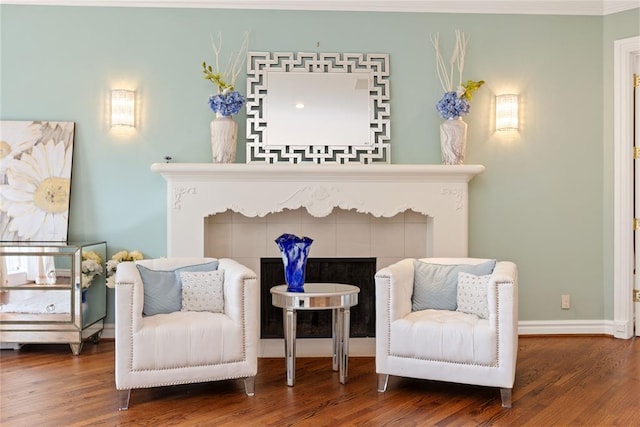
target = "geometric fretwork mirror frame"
x: 372, y: 68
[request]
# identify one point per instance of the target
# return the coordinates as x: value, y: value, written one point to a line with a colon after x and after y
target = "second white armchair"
x: 425, y: 336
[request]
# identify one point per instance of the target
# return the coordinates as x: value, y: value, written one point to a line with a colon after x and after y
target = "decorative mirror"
x: 318, y: 108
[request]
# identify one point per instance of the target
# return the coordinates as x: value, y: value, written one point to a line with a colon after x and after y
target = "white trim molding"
x: 565, y: 327
x: 623, y: 262
x: 109, y: 331
x: 529, y: 7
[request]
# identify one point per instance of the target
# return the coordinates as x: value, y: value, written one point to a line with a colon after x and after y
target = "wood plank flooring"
x: 560, y: 381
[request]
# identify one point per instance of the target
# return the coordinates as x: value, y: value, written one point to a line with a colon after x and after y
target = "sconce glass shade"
x: 123, y: 107
x: 507, y: 112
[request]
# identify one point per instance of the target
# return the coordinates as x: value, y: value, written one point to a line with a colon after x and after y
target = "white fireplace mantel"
x: 198, y: 190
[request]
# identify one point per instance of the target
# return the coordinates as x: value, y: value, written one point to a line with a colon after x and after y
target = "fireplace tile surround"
x: 339, y: 234
x: 385, y: 211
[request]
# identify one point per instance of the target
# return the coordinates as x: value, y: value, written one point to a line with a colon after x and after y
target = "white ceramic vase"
x: 453, y: 141
x: 224, y: 137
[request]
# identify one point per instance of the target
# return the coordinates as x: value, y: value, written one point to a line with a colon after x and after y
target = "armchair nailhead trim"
x: 191, y: 381
x: 388, y: 287
x: 487, y: 365
x: 130, y: 327
x: 244, y: 320
x: 496, y: 290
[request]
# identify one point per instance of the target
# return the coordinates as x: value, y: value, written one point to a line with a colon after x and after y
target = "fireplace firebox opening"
x: 359, y: 272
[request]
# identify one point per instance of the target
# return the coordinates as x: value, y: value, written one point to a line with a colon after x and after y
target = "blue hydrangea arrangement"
x: 227, y: 103
x: 451, y: 107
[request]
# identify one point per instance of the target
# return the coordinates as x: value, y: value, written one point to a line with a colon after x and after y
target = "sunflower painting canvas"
x: 35, y: 180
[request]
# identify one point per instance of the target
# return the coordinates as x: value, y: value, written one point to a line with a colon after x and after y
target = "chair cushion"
x: 435, y: 285
x: 163, y: 288
x: 187, y: 339
x: 444, y: 335
x: 202, y: 291
x: 472, y: 294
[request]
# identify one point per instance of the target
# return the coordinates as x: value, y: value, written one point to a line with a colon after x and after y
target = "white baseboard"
x: 365, y: 347
x: 109, y: 331
x: 10, y: 346
x: 565, y: 327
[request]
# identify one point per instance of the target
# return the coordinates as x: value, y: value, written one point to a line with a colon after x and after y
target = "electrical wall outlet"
x: 566, y: 302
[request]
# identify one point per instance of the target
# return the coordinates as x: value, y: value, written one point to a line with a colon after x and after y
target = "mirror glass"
x: 318, y: 107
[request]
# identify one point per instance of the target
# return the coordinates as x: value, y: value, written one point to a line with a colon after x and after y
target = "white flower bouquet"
x: 117, y: 258
x: 91, y: 267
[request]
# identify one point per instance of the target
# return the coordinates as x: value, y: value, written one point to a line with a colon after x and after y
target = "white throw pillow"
x: 472, y: 294
x: 202, y: 291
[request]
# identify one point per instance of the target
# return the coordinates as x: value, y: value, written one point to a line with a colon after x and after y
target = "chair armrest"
x: 502, y: 293
x: 128, y: 311
x: 241, y: 294
x: 505, y: 271
x: 394, y: 288
x: 503, y: 310
x: 240, y: 291
x: 129, y: 298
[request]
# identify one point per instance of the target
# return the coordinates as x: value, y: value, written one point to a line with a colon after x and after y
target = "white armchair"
x: 182, y: 347
x: 445, y: 345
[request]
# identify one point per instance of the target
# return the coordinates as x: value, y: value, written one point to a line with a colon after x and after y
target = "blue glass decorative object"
x: 295, y: 251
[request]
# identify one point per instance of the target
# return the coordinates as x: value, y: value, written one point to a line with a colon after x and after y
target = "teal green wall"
x: 544, y: 201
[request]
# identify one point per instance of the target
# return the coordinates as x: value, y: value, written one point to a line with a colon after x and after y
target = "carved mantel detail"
x: 320, y: 200
x: 455, y: 192
x: 178, y: 192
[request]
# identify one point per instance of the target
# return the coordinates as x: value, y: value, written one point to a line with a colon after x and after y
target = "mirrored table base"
x: 317, y: 296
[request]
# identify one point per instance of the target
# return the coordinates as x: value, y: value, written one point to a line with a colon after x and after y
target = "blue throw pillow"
x: 163, y: 288
x: 436, y: 285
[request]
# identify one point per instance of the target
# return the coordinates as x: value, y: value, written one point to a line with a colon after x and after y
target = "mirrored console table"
x: 47, y: 297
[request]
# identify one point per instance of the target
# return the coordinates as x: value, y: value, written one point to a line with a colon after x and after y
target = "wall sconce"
x: 507, y: 112
x: 123, y: 106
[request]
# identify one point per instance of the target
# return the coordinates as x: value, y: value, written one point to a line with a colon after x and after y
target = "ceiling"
x: 541, y: 7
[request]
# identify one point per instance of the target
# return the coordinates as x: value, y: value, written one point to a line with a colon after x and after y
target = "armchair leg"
x: 250, y: 385
x: 123, y: 399
x: 383, y: 381
x: 505, y: 394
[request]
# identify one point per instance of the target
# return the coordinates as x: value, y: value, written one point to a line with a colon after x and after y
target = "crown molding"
x: 521, y: 7
x: 619, y: 6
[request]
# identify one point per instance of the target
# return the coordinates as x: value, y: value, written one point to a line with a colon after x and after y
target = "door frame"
x: 623, y: 256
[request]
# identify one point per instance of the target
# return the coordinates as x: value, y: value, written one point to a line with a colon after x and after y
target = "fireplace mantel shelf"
x: 198, y: 190
x: 327, y: 172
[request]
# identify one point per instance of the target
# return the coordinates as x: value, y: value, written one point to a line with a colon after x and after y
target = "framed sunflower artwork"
x: 35, y: 180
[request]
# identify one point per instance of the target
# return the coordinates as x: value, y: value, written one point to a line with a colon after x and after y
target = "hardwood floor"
x: 578, y: 381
